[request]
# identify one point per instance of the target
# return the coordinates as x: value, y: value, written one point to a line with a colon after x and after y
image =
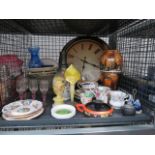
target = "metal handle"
x: 134, y: 92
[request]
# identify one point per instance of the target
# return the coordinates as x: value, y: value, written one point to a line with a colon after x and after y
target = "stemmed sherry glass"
x: 33, y: 87
x: 21, y: 87
x: 44, y: 86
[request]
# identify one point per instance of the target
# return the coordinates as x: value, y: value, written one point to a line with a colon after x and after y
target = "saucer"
x: 116, y: 105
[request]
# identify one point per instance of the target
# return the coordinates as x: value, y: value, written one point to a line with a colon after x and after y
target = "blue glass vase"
x: 35, y: 61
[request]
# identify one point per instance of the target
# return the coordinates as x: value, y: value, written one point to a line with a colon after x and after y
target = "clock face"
x: 85, y: 54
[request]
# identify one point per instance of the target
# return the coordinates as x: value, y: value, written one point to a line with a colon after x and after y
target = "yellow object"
x: 72, y: 75
x: 58, y: 88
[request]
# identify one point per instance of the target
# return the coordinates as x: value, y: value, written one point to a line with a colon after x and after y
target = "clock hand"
x: 83, y: 67
x: 85, y: 61
x: 89, y: 63
x: 83, y: 64
x: 92, y: 64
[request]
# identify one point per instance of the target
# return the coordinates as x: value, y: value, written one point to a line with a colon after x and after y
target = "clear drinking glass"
x: 44, y: 86
x: 33, y: 87
x: 21, y: 87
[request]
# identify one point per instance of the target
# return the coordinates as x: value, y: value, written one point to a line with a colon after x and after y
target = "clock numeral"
x: 82, y: 46
x: 97, y: 51
x: 90, y: 46
x: 75, y: 50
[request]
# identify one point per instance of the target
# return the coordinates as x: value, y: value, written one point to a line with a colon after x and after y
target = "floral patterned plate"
x: 22, y: 107
x: 28, y: 117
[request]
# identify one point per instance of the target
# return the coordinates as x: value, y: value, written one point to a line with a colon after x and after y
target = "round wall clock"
x: 85, y: 53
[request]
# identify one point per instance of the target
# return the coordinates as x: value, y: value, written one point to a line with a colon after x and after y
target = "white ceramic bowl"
x: 62, y: 107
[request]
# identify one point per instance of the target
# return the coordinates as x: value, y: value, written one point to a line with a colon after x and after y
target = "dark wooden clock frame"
x: 63, y: 54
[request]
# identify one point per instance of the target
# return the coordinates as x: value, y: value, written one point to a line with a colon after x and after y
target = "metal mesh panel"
x: 137, y: 54
x: 11, y: 45
x: 14, y: 44
x: 137, y: 44
x: 51, y: 46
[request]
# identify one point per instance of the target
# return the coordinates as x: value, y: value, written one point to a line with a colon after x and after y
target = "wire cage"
x: 134, y: 38
x: 136, y: 42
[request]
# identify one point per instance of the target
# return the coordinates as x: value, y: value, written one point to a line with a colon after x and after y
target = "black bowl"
x: 128, y: 110
x: 97, y: 105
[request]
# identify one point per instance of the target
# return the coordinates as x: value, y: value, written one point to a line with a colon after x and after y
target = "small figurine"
x: 58, y: 88
x: 138, y: 106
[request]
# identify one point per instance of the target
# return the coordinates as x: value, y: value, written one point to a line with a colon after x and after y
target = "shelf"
x: 80, y: 120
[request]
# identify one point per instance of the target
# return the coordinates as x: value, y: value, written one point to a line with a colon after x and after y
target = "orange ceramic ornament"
x: 111, y: 60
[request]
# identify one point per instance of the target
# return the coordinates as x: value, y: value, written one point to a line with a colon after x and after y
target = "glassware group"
x: 23, y: 84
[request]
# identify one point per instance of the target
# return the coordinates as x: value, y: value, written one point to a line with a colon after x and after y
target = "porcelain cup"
x: 117, y: 98
x: 86, y: 97
x: 90, y: 85
x: 103, y: 94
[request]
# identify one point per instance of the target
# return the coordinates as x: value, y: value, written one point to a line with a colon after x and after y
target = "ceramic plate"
x: 23, y: 118
x: 12, y: 106
x: 22, y: 107
x: 63, y: 111
x: 49, y: 62
x: 23, y: 110
x: 42, y: 69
